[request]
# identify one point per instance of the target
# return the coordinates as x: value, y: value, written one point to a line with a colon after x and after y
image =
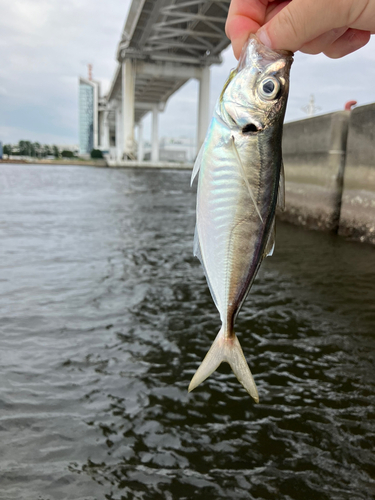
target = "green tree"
x: 38, y: 149
x: 96, y: 153
x: 22, y: 148
x: 26, y: 148
x: 7, y: 149
x: 67, y: 154
x: 46, y: 150
x: 55, y: 151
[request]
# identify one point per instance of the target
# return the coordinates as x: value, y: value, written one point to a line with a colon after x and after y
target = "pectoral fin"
x: 197, y: 164
x: 198, y: 254
x: 270, y: 247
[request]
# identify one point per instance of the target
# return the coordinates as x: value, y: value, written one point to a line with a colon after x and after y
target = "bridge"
x: 164, y: 44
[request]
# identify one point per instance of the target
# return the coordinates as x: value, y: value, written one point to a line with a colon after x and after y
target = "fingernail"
x: 264, y: 38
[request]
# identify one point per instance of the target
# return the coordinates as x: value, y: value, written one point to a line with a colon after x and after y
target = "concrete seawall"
x: 357, y: 218
x: 330, y: 172
x: 314, y: 153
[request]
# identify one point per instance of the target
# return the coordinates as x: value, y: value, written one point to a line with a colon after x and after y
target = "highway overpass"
x: 164, y: 44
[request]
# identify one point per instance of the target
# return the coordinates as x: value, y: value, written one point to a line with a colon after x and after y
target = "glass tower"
x: 88, y: 116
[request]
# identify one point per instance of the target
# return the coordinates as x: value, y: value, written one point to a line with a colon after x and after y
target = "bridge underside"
x: 164, y: 44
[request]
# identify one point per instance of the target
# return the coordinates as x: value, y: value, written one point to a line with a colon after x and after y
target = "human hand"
x: 334, y: 27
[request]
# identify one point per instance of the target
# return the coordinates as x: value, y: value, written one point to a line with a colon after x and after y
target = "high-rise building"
x: 88, y: 115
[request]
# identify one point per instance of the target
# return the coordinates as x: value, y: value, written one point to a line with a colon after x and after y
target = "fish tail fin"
x: 226, y: 349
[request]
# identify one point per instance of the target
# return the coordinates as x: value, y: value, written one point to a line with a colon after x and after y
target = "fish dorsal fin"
x: 197, y: 164
x: 270, y: 247
x: 198, y: 254
x: 281, y: 193
x: 243, y: 174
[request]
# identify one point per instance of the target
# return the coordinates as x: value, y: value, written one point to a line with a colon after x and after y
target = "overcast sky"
x: 45, y: 46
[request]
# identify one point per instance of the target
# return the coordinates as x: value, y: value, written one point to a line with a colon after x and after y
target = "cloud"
x: 333, y: 82
x: 45, y: 47
x: 7, y: 135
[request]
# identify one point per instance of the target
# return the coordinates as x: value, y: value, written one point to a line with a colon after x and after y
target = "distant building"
x: 172, y: 155
x: 178, y: 148
x: 89, y: 91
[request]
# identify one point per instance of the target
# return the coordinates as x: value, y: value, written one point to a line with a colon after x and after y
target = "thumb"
x: 301, y: 21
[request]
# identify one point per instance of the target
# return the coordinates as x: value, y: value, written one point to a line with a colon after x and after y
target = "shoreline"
x: 67, y: 162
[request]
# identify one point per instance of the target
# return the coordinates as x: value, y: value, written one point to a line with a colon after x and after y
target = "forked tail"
x: 229, y: 350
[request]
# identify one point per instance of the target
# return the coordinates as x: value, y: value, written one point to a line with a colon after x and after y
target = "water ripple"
x: 105, y: 316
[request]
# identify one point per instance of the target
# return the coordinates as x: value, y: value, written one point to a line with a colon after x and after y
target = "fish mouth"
x: 281, y: 52
x: 254, y: 52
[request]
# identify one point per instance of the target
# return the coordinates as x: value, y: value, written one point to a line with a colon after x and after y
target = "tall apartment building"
x: 89, y: 132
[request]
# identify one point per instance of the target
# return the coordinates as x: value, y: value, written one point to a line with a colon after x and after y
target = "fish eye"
x: 269, y: 88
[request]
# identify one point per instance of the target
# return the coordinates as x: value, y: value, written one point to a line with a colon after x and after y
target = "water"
x: 105, y: 316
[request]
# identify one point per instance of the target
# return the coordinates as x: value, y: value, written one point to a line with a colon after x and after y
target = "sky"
x: 46, y: 45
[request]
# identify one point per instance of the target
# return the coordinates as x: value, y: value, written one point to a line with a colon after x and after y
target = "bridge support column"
x: 203, y: 105
x: 101, y: 128
x: 128, y: 88
x: 155, y: 135
x: 105, y: 132
x: 140, y: 142
x: 119, y: 147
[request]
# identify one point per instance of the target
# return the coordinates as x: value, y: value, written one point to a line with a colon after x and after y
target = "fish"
x: 240, y: 184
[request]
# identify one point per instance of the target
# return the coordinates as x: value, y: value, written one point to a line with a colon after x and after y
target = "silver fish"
x: 241, y: 180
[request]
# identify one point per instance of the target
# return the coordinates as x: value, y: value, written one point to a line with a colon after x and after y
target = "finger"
x: 238, y: 30
x: 302, y: 21
x: 349, y: 42
x: 274, y: 8
x: 323, y: 42
x: 244, y: 17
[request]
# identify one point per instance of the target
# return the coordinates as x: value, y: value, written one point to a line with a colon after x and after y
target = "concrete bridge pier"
x: 155, y: 134
x: 119, y: 148
x: 128, y: 101
x: 105, y: 142
x: 140, y: 152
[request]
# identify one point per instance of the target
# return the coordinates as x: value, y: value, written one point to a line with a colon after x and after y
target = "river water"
x: 105, y: 316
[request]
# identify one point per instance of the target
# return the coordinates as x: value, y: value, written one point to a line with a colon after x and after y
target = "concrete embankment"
x: 314, y: 160
x: 149, y: 164
x: 68, y: 162
x: 330, y: 172
x: 357, y: 218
